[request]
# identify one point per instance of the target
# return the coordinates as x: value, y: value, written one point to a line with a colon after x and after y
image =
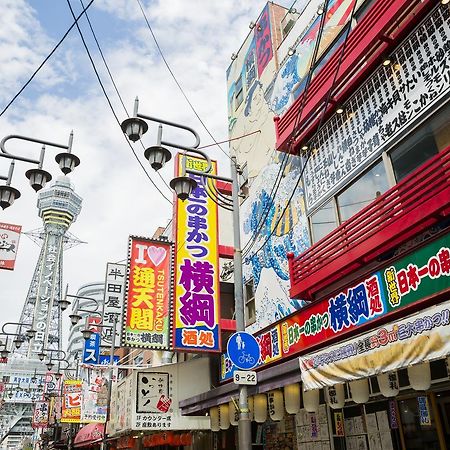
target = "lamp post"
x: 134, y: 127
x: 19, y: 336
x: 38, y: 177
x: 75, y: 317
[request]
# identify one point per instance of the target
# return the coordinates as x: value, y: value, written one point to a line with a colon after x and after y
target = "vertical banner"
x: 339, y: 423
x: 147, y: 317
x: 91, y: 349
x: 41, y: 412
x: 95, y: 397
x: 113, y: 301
x: 9, y: 241
x: 72, y: 401
x: 197, y: 308
x: 424, y: 411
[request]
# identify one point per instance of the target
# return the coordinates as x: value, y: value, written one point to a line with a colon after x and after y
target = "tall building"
x: 86, y: 292
x: 345, y: 225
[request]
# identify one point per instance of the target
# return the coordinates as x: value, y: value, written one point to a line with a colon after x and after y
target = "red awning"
x: 90, y: 434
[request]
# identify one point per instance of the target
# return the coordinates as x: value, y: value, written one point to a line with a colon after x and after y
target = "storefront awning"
x: 90, y: 434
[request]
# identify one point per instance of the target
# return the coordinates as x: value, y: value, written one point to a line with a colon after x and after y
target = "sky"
x: 197, y: 38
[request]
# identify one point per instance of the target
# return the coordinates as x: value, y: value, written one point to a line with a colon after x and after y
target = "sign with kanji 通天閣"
x: 9, y: 241
x: 197, y: 322
x: 147, y: 318
x: 72, y: 401
x: 116, y: 275
x: 419, y: 275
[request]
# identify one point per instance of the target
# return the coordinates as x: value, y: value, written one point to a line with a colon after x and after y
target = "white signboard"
x: 113, y: 303
x: 391, y: 99
x: 424, y: 336
x: 245, y: 377
x: 9, y: 241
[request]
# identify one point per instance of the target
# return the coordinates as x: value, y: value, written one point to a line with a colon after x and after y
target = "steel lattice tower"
x: 59, y: 207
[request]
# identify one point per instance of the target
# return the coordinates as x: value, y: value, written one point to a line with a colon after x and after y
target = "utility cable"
x: 177, y: 82
x: 330, y: 92
x: 46, y: 58
x: 110, y: 104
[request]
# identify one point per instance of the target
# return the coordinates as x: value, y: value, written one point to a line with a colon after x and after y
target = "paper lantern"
x: 177, y: 439
x: 335, y: 396
x: 224, y: 417
x: 311, y: 400
x: 420, y: 376
x: 260, y: 408
x: 214, y: 417
x: 292, y: 398
x: 360, y: 390
x: 251, y: 407
x: 186, y: 439
x: 388, y: 383
x: 275, y: 405
x: 233, y: 412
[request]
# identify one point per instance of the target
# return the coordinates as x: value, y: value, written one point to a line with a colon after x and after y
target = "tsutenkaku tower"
x: 59, y: 207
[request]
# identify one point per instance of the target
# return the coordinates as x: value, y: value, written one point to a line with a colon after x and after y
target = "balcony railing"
x: 419, y: 201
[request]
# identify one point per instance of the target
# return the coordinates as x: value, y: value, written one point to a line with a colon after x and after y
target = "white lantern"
x: 251, y: 407
x: 292, y: 398
x: 420, y: 376
x: 388, y: 383
x: 276, y: 406
x: 224, y: 417
x: 360, y: 390
x: 335, y: 396
x: 214, y: 417
x: 311, y: 400
x: 233, y: 412
x: 260, y: 408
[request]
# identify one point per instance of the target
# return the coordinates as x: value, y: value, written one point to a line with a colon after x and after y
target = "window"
x: 323, y: 221
x: 239, y: 93
x: 362, y: 192
x: 425, y: 142
x: 250, y: 307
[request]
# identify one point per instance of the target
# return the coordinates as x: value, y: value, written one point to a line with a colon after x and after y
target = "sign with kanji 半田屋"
x: 419, y: 275
x: 147, y: 318
x: 9, y: 241
x: 197, y: 324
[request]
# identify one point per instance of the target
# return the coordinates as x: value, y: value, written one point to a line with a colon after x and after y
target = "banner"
x: 41, y: 412
x: 72, y: 401
x: 197, y: 308
x: 421, y: 337
x: 419, y: 275
x: 113, y: 301
x: 95, y: 397
x: 9, y: 241
x: 147, y: 318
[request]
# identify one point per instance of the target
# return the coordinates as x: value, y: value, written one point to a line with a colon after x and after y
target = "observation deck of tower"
x: 59, y: 206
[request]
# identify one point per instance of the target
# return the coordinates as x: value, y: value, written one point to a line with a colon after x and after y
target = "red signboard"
x: 9, y: 241
x: 147, y: 318
x: 264, y: 52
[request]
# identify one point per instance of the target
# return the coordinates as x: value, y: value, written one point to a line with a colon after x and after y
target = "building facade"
x: 345, y: 226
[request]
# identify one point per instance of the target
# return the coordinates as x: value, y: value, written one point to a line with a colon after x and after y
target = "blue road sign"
x: 91, y: 349
x: 243, y: 350
x: 105, y: 359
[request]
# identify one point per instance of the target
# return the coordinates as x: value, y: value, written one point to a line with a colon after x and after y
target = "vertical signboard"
x: 197, y: 322
x: 95, y: 397
x: 72, y: 401
x: 264, y: 52
x: 113, y: 301
x: 147, y: 317
x: 41, y: 413
x: 91, y: 349
x: 9, y: 241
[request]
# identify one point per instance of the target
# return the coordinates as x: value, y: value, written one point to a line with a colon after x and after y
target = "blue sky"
x: 197, y: 38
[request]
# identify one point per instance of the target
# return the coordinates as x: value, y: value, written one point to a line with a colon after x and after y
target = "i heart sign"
x: 156, y: 254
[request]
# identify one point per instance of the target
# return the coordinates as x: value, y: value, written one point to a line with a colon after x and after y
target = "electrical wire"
x: 318, y: 126
x: 46, y: 58
x: 177, y: 82
x: 110, y: 104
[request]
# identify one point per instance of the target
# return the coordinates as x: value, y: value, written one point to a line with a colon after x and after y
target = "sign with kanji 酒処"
x: 147, y: 318
x: 197, y: 323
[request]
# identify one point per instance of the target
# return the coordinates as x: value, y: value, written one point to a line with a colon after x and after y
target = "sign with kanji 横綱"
x: 197, y: 321
x: 147, y: 320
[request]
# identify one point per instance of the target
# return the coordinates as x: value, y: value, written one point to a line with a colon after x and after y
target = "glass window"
x: 239, y: 93
x: 425, y: 142
x: 250, y: 307
x: 323, y: 222
x: 362, y: 192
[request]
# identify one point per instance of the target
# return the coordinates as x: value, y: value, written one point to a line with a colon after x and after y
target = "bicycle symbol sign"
x: 243, y: 350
